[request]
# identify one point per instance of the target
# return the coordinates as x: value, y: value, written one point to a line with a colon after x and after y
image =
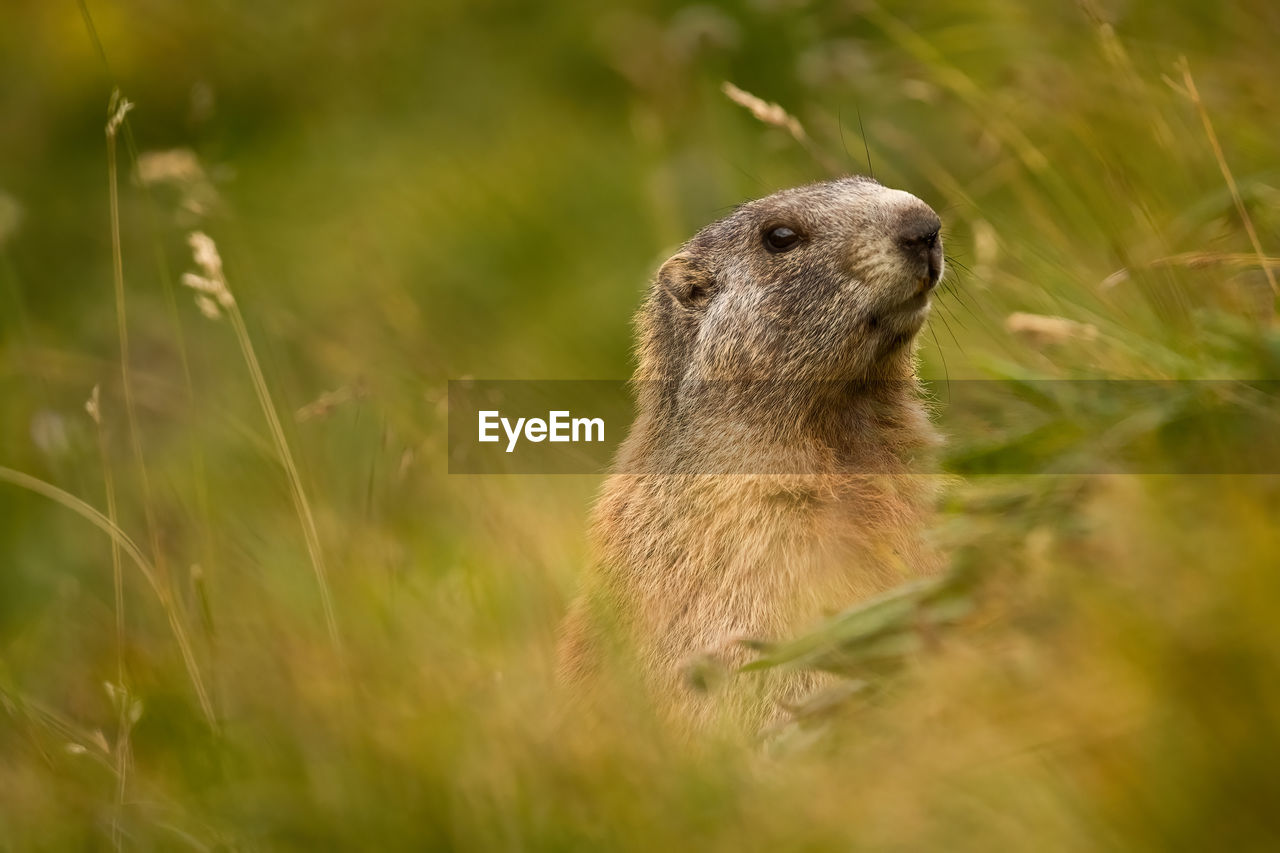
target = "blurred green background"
x: 404, y: 193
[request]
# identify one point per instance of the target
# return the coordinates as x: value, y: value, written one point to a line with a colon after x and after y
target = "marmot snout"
x: 919, y: 233
x: 777, y: 345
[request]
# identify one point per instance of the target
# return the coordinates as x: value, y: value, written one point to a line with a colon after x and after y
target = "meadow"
x: 243, y: 248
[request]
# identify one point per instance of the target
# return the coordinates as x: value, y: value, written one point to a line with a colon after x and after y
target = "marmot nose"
x: 918, y: 233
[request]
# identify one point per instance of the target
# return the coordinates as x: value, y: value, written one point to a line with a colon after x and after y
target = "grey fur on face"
x: 851, y: 287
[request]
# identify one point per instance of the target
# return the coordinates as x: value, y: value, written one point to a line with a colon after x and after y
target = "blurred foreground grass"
x: 426, y: 191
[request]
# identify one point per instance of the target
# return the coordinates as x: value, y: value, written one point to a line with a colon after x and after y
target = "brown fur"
x: 770, y: 478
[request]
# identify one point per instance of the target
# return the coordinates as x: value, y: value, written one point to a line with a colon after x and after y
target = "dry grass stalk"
x: 1043, y: 329
x: 775, y: 116
x: 117, y: 109
x: 766, y: 112
x: 211, y: 283
x: 122, y: 754
x: 180, y: 169
x: 323, y: 406
x: 1194, y: 260
x: 1193, y: 93
x: 174, y: 166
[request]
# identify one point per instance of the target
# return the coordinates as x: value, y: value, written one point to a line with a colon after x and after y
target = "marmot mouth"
x: 911, y: 308
x: 915, y: 303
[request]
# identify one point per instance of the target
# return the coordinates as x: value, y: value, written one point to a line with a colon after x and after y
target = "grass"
x: 212, y: 285
x: 311, y: 635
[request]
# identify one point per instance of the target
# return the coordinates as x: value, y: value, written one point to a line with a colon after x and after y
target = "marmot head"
x: 828, y: 282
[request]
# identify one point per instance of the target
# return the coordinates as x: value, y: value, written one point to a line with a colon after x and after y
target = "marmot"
x: 770, y: 478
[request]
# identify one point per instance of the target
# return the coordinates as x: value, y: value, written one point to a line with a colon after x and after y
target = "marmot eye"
x: 781, y: 239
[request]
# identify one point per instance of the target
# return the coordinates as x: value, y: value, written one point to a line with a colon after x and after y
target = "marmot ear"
x: 686, y: 281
